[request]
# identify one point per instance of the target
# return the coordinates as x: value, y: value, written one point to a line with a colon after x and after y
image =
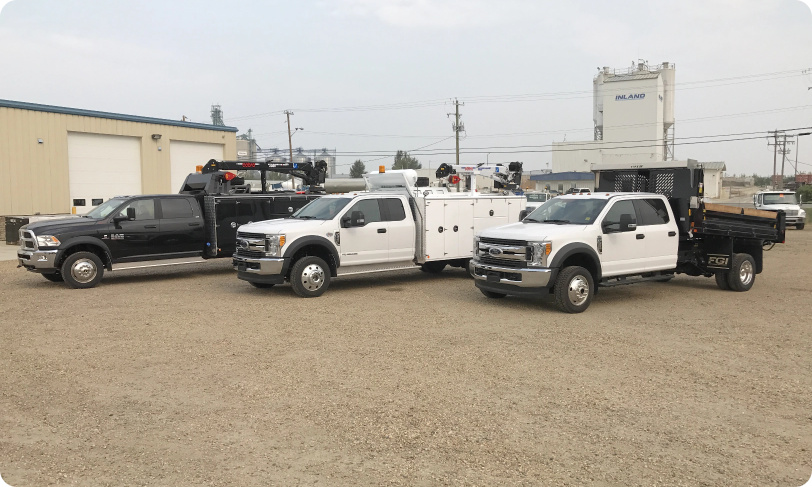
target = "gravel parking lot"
x: 191, y: 377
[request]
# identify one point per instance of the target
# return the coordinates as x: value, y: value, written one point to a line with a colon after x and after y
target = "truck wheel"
x: 262, y: 285
x: 433, y: 267
x: 82, y: 270
x: 492, y: 295
x: 800, y: 226
x: 742, y: 273
x: 574, y: 289
x: 55, y: 277
x: 721, y: 280
x: 310, y: 277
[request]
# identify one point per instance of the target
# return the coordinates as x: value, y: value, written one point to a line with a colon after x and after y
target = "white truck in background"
x: 395, y: 225
x: 787, y: 201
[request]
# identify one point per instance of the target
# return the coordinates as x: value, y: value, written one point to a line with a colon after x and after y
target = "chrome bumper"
x: 534, y: 278
x: 260, y: 267
x: 37, y: 260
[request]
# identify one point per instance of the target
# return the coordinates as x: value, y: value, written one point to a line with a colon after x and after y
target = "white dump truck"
x: 394, y: 225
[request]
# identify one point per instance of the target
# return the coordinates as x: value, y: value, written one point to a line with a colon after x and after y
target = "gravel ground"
x: 191, y: 377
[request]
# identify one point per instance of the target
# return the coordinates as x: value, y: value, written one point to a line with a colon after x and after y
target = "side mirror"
x: 626, y: 224
x: 357, y: 219
x: 755, y: 200
x: 131, y: 213
x: 121, y: 218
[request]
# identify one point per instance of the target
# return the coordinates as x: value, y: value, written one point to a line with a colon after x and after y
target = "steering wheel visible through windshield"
x: 322, y: 209
x: 577, y: 211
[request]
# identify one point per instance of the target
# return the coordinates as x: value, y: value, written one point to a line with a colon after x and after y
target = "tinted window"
x: 394, y: 209
x: 144, y: 209
x: 580, y: 211
x: 651, y: 211
x: 370, y: 209
x: 176, y: 208
x: 619, y: 208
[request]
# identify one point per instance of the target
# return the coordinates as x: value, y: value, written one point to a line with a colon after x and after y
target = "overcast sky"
x: 369, y: 77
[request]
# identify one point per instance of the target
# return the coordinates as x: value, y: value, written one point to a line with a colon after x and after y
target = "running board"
x: 370, y: 268
x: 623, y: 280
x: 124, y: 266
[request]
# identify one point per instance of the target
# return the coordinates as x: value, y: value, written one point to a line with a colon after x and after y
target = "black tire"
x: 800, y: 226
x: 262, y: 285
x: 433, y: 267
x: 574, y: 288
x: 55, y: 277
x: 492, y: 295
x: 82, y: 270
x: 721, y: 280
x: 310, y: 277
x: 742, y: 273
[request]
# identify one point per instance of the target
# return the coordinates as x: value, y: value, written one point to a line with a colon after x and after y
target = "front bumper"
x: 509, y: 280
x: 794, y: 220
x: 266, y: 270
x: 37, y: 260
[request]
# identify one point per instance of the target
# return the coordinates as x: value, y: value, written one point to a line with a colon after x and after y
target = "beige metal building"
x: 59, y: 160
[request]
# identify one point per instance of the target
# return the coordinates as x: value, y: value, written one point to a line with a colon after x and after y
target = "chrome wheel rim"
x: 83, y: 271
x: 746, y: 272
x: 578, y: 290
x: 313, y: 277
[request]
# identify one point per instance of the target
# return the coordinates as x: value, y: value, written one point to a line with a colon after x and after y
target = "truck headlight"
x: 273, y: 245
x: 538, y: 253
x: 47, y: 241
x: 802, y: 213
x: 476, y: 247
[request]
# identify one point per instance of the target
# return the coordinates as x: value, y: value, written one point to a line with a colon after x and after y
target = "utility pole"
x: 776, y: 150
x: 290, y: 137
x: 457, y: 126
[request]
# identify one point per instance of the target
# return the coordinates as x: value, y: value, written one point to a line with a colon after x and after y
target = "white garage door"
x: 186, y: 156
x: 102, y: 166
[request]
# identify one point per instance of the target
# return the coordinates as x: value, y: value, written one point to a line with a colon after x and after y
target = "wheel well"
x: 585, y: 261
x: 755, y: 251
x: 84, y: 247
x: 317, y: 251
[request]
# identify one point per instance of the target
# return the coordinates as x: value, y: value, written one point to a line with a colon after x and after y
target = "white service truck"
x: 638, y: 225
x: 786, y: 201
x: 394, y: 225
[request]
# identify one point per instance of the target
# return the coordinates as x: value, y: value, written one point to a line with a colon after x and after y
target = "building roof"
x: 563, y: 176
x: 114, y: 116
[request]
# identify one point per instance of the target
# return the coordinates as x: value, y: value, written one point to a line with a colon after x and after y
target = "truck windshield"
x: 105, y: 208
x: 322, y: 209
x: 577, y: 211
x: 780, y: 199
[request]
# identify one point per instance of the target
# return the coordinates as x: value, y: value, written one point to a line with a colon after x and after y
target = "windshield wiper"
x: 531, y: 220
x: 305, y: 217
x: 555, y: 221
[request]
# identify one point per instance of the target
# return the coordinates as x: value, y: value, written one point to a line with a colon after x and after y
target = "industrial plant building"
x: 633, y: 115
x: 63, y: 160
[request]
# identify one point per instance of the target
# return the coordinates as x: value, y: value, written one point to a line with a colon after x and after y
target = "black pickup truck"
x: 150, y: 230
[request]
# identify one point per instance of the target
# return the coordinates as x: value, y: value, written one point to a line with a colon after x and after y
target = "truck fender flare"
x: 312, y: 240
x: 577, y: 248
x: 107, y: 257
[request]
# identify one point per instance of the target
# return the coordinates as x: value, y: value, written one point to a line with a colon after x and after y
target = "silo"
x: 299, y: 156
x: 668, y: 74
x: 276, y: 156
x: 597, y: 102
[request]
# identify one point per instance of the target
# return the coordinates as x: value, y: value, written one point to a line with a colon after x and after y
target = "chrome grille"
x: 250, y: 235
x: 515, y: 264
x: 251, y: 254
x: 502, y: 241
x: 28, y: 241
x: 792, y: 212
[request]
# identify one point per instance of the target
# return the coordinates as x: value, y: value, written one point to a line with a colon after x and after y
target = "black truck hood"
x: 62, y: 226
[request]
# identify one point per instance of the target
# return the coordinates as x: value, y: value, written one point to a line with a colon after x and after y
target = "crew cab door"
x: 659, y: 234
x: 368, y: 242
x: 182, y: 229
x: 134, y: 239
x: 400, y: 228
x: 621, y: 247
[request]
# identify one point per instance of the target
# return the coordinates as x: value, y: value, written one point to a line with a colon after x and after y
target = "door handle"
x: 381, y: 230
x: 640, y: 236
x: 672, y: 234
x: 150, y: 226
